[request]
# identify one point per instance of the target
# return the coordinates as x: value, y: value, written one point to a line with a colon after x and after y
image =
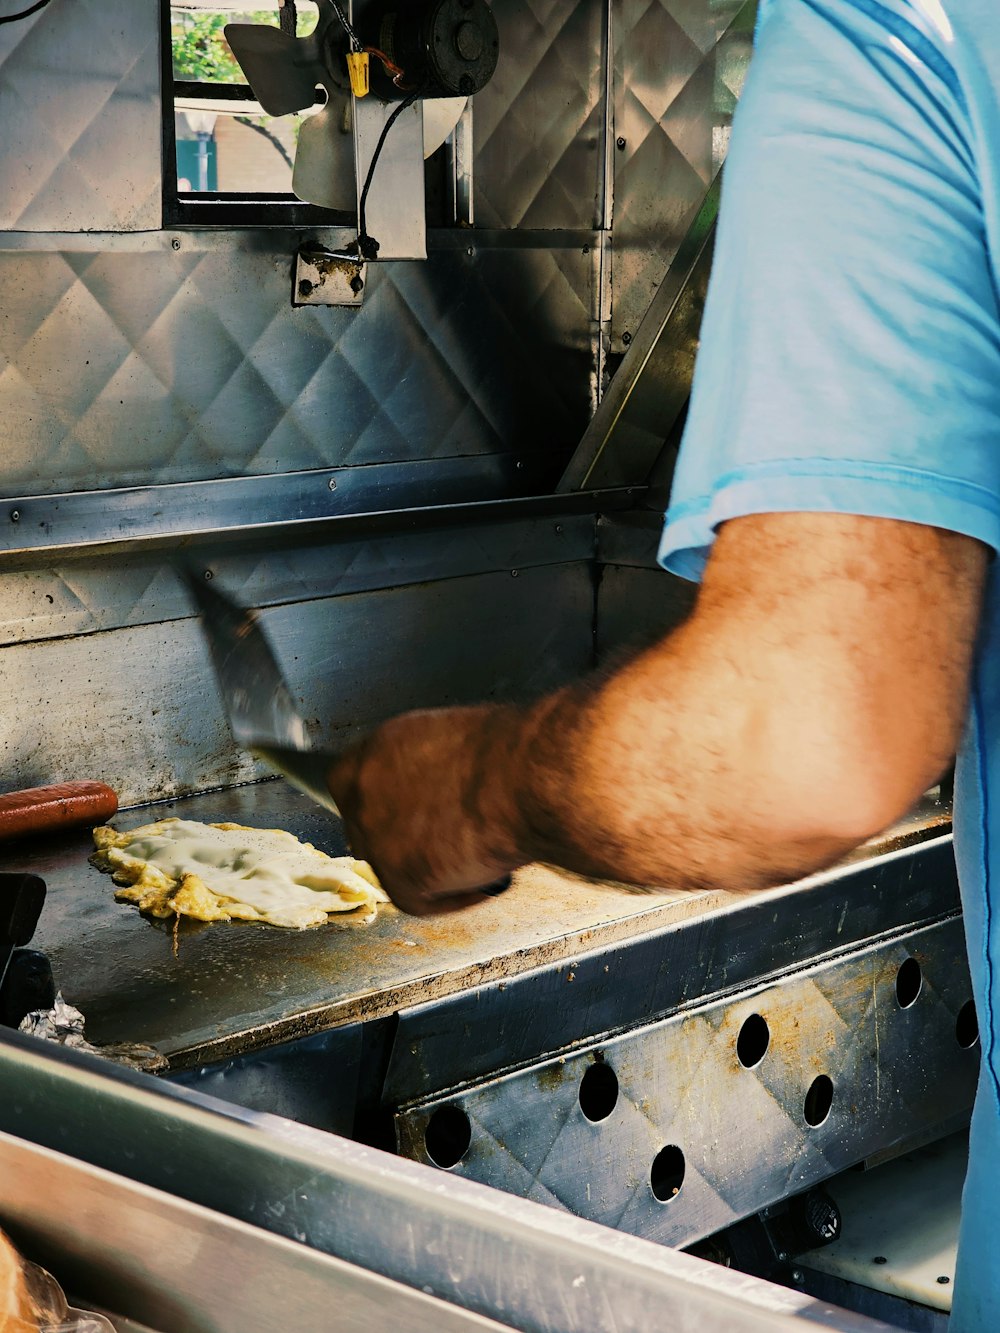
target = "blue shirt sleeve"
x: 850, y: 356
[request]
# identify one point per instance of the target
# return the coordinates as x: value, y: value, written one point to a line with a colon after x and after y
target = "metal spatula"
x: 261, y: 712
x: 259, y: 706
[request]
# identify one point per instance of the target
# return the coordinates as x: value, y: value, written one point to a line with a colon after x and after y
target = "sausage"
x: 61, y: 806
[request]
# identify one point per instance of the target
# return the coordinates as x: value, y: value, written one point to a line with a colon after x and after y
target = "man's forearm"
x: 785, y: 722
x: 818, y: 687
x: 641, y: 777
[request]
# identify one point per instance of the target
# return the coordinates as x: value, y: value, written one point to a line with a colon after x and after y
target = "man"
x: 838, y: 496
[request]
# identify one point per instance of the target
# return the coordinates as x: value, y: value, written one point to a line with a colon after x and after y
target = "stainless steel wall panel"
x: 539, y: 124
x: 637, y: 606
x: 125, y: 368
x: 679, y: 64
x: 80, y: 110
x: 86, y: 596
x: 137, y: 709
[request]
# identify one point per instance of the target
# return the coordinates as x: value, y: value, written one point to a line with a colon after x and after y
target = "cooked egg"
x: 225, y: 872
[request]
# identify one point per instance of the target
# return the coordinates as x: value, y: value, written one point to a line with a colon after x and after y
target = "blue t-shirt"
x: 850, y: 363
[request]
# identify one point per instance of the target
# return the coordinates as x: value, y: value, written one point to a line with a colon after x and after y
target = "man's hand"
x: 420, y: 805
x: 817, y: 689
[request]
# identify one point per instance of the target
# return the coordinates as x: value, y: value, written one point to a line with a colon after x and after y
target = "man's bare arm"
x: 816, y: 690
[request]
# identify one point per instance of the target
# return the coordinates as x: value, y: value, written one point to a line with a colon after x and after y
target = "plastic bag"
x: 31, y: 1299
x: 51, y: 1309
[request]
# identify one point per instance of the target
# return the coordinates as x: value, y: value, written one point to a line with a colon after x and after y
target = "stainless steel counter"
x: 235, y: 987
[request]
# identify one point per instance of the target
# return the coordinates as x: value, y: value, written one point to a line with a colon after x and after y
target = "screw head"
x: 943, y: 1281
x: 620, y: 143
x: 626, y: 338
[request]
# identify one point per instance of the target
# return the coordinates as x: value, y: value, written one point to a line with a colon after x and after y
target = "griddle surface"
x: 233, y: 986
x: 237, y: 986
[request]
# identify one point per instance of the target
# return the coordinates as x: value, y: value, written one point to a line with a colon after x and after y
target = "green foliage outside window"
x: 200, y: 51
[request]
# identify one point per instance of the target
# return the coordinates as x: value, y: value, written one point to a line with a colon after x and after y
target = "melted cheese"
x: 225, y: 872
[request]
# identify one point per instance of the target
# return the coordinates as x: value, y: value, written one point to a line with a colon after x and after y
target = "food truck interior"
x: 433, y: 445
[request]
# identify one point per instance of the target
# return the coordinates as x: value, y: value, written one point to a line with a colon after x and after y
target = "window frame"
x: 194, y: 209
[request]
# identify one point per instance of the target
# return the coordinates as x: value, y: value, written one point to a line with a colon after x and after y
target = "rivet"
x: 208, y: 576
x: 514, y: 573
x: 626, y: 338
x: 620, y: 143
x: 332, y: 484
x: 944, y: 1280
x: 305, y: 287
x: 15, y: 515
x: 880, y: 1259
x: 175, y: 244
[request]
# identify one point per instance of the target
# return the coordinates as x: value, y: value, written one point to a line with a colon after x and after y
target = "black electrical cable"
x: 25, y: 13
x: 346, y: 25
x: 367, y: 245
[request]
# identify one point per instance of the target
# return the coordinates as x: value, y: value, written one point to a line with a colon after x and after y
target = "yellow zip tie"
x: 357, y: 67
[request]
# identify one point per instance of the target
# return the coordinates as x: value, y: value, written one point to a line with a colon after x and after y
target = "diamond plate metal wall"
x: 122, y: 368
x: 679, y: 66
x: 80, y: 110
x: 538, y: 126
x: 693, y: 1126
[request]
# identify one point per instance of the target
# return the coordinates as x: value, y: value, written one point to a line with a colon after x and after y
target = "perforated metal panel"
x: 697, y: 1125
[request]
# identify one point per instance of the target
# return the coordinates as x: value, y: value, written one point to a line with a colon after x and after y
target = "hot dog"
x: 61, y: 806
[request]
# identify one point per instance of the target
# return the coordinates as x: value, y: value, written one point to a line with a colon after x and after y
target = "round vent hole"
x: 753, y: 1041
x: 908, y: 983
x: 447, y: 1136
x: 667, y: 1173
x: 967, y: 1025
x: 598, y: 1092
x: 819, y: 1099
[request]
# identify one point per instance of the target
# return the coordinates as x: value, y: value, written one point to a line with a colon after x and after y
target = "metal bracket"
x: 328, y: 277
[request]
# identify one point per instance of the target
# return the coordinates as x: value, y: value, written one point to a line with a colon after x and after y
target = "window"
x: 226, y: 161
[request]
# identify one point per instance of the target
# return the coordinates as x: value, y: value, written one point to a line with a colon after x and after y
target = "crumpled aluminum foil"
x: 64, y: 1024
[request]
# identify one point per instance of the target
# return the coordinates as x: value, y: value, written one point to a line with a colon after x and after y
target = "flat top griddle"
x: 231, y: 987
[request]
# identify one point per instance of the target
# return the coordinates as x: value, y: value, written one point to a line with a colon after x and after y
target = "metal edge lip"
x: 443, y: 998
x: 681, y: 964
x: 377, y: 518
x: 195, y: 238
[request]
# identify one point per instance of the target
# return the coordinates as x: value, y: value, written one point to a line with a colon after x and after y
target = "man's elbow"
x: 841, y: 795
